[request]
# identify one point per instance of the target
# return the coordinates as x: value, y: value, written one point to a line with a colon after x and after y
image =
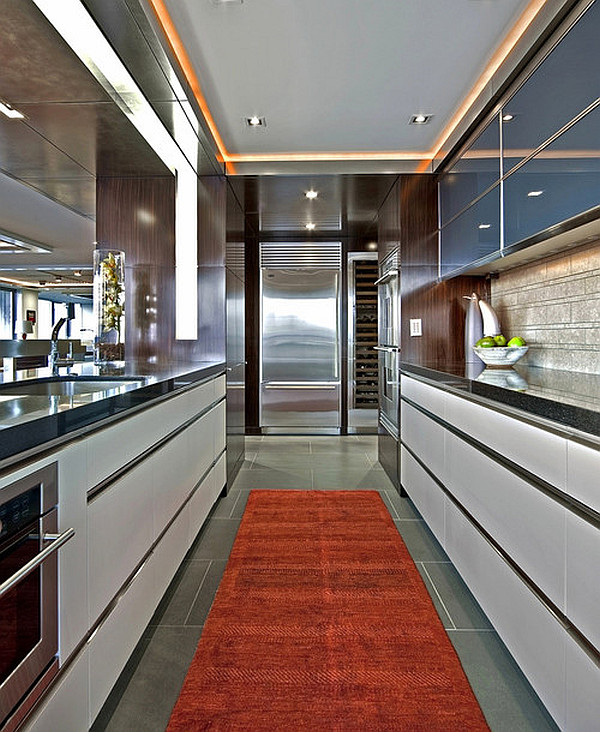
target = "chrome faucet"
x: 53, y: 359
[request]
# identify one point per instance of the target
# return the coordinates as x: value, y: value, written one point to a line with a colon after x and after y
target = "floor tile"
x: 216, y: 539
x: 421, y: 543
x: 265, y: 478
x: 203, y: 602
x: 435, y: 598
x: 504, y: 694
x: 225, y: 504
x: 150, y: 693
x: 350, y: 479
x: 463, y: 608
x: 179, y: 598
x: 403, y: 506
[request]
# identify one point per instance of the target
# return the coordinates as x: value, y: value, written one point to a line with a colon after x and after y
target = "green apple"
x: 500, y: 340
x: 516, y: 342
x: 486, y: 342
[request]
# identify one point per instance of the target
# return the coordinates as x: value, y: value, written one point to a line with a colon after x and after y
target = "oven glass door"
x: 20, y: 608
x: 28, y: 610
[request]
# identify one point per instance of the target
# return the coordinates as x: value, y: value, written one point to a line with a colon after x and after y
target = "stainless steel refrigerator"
x: 300, y: 349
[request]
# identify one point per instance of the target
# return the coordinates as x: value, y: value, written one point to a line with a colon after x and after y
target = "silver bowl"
x: 500, y: 357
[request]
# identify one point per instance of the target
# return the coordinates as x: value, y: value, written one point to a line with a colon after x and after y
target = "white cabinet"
x: 168, y: 465
x: 511, y: 480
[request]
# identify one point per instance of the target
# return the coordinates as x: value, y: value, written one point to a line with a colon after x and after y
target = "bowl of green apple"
x: 500, y: 353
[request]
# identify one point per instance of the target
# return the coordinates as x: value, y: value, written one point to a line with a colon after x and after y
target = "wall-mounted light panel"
x: 79, y: 30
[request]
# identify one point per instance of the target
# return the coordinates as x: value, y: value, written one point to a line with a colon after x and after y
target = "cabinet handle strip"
x: 580, y: 638
x: 582, y: 510
x: 103, y: 485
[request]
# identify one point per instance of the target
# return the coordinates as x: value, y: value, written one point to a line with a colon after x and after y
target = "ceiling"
x: 336, y: 81
x: 339, y: 79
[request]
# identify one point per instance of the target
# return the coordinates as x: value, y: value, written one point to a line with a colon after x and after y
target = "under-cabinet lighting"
x: 79, y: 30
x: 311, y: 194
x: 534, y: 194
x: 310, y: 226
x: 485, y: 226
x: 10, y: 111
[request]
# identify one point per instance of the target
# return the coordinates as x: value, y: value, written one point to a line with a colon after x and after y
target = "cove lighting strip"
x: 72, y: 21
x: 426, y: 158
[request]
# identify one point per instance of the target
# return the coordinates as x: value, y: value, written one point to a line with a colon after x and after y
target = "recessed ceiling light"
x: 507, y: 117
x: 534, y: 194
x: 11, y: 112
x: 420, y: 119
x: 310, y: 226
x: 311, y: 194
x: 255, y: 121
x: 485, y: 226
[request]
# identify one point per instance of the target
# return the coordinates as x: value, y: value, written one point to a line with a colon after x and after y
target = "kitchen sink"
x: 66, y: 386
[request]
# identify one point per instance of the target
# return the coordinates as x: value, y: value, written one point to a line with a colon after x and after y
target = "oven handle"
x: 57, y: 541
x: 387, y: 349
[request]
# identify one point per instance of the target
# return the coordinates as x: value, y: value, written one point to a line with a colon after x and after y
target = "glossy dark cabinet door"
x: 560, y: 183
x: 477, y: 170
x: 549, y: 148
x: 562, y: 86
x: 473, y: 235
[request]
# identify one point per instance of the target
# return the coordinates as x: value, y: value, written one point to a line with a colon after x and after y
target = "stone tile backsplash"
x: 555, y: 305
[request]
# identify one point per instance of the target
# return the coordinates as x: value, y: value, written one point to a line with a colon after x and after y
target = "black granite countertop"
x: 35, y: 421
x: 570, y: 400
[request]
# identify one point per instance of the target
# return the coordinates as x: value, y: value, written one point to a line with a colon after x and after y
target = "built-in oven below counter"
x: 29, y: 544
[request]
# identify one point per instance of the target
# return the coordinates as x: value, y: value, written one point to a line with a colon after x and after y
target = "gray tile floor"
x: 149, y: 685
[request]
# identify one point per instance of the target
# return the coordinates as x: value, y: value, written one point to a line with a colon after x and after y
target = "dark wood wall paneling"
x: 137, y: 216
x: 440, y: 305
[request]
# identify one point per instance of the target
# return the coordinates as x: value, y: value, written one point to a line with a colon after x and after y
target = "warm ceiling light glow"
x: 507, y: 117
x: 426, y: 158
x: 11, y: 112
x: 501, y: 54
x: 164, y: 19
x: 372, y: 245
x: 310, y: 226
x: 311, y: 194
x: 485, y: 226
x: 534, y: 194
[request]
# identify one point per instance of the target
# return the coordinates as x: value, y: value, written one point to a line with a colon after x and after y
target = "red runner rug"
x: 322, y: 623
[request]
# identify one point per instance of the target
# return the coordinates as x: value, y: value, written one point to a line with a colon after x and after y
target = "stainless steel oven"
x: 28, y: 591
x: 389, y: 343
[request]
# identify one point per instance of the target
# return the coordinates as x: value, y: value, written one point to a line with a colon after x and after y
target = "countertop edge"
x: 30, y: 440
x: 561, y: 419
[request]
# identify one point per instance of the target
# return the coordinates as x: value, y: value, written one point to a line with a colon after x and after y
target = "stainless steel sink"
x: 66, y: 387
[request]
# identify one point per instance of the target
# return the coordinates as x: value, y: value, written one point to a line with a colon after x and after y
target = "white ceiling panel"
x: 338, y: 75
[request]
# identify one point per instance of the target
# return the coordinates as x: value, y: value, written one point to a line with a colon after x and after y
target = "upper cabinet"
x: 535, y: 165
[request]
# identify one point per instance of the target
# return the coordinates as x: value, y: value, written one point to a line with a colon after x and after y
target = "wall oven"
x: 28, y: 591
x: 389, y: 343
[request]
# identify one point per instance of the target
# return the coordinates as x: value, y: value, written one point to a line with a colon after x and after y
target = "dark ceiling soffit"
x: 143, y: 39
x: 543, y: 45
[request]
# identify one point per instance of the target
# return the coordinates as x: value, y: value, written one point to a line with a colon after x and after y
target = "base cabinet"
x: 528, y: 556
x: 131, y: 537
